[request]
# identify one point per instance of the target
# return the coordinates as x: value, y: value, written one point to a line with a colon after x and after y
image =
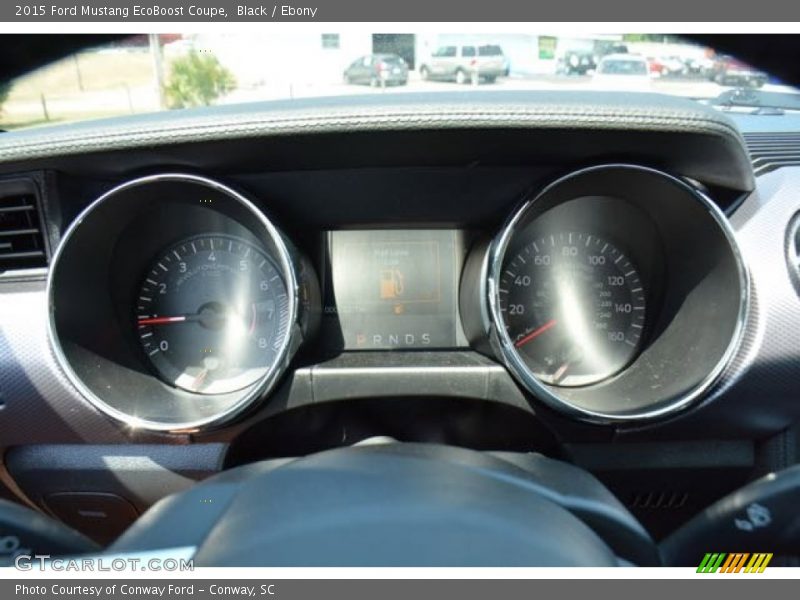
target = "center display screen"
x: 395, y: 289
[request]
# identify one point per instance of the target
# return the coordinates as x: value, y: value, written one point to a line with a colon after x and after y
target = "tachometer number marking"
x: 214, y: 323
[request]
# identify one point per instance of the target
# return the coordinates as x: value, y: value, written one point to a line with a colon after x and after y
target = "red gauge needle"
x: 535, y: 333
x: 143, y: 321
x: 161, y: 320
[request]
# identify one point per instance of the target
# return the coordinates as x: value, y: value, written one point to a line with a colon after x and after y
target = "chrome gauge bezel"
x: 284, y: 257
x: 503, y: 345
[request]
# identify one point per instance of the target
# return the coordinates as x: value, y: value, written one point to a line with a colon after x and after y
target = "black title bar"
x: 463, y: 11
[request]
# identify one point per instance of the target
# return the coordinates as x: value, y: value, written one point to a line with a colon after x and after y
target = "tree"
x: 197, y: 80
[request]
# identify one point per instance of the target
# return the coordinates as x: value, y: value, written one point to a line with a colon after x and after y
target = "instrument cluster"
x: 615, y: 293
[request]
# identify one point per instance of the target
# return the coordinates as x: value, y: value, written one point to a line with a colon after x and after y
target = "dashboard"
x: 601, y: 279
x: 178, y: 287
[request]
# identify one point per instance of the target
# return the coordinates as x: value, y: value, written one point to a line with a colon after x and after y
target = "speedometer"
x: 574, y: 307
x: 600, y: 300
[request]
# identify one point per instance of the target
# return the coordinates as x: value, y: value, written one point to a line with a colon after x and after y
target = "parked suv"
x: 466, y: 63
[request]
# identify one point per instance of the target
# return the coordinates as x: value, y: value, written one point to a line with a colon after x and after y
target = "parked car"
x: 655, y: 66
x: 466, y: 63
x: 623, y: 71
x: 578, y: 62
x: 377, y: 69
x: 584, y: 61
x: 729, y: 71
x: 673, y: 66
x: 700, y: 67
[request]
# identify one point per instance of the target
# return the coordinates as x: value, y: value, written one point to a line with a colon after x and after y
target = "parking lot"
x: 56, y: 95
x: 688, y: 87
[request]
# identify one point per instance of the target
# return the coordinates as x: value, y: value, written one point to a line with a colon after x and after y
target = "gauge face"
x: 211, y: 314
x: 573, y: 306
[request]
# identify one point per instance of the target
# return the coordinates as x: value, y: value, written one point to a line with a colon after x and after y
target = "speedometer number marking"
x: 575, y: 310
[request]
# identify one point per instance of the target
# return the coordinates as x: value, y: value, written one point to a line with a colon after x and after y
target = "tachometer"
x: 574, y: 307
x: 211, y: 314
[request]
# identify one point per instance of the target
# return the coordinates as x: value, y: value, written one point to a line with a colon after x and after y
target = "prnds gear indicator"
x: 396, y: 289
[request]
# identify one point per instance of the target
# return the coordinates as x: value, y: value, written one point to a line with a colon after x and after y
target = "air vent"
x: 22, y: 244
x: 770, y: 151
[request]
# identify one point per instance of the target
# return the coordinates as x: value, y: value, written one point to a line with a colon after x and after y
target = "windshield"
x: 151, y: 73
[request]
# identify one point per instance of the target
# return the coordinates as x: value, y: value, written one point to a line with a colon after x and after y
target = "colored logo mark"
x: 736, y: 562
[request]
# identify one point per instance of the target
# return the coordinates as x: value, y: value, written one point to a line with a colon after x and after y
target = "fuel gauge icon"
x: 392, y: 285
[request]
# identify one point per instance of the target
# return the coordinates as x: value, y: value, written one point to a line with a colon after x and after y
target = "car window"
x: 623, y: 67
x: 468, y: 51
x: 490, y: 50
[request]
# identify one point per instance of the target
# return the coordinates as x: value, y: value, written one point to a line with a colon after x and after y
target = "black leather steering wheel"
x: 398, y: 504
